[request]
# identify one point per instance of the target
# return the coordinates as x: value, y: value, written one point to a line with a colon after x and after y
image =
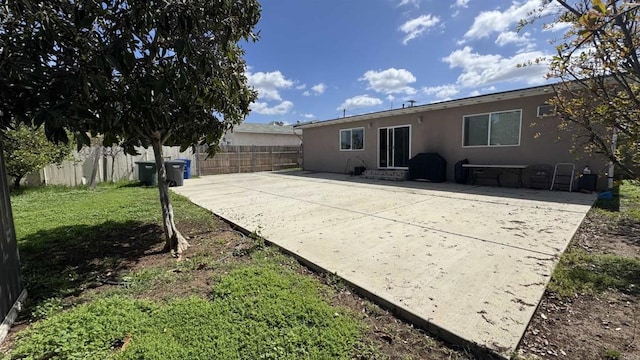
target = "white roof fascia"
x: 507, y: 95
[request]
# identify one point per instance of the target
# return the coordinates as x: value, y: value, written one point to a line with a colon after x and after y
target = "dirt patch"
x: 585, y: 327
x: 604, y: 326
x: 608, y: 233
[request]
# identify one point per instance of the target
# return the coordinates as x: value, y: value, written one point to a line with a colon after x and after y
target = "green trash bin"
x: 175, y: 172
x: 147, y: 173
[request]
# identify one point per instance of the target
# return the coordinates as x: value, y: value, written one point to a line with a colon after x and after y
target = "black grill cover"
x: 428, y: 166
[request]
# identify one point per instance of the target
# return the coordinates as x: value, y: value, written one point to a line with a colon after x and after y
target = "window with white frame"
x: 352, y: 139
x: 492, y: 129
x: 545, y: 110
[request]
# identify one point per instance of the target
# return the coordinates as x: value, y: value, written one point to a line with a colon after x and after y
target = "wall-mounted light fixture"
x: 370, y: 124
x: 419, y: 119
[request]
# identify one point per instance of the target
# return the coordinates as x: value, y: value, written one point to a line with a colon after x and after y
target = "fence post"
x: 197, y: 162
x: 271, y: 161
x: 253, y: 158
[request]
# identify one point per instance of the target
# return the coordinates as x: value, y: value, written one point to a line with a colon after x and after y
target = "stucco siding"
x: 441, y: 131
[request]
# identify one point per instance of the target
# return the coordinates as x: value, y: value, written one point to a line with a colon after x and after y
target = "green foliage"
x: 27, y: 150
x: 135, y: 71
x: 257, y: 312
x: 63, y: 235
x: 138, y: 73
x: 597, y: 61
x: 262, y: 310
x: 581, y: 272
x: 90, y: 331
x: 611, y: 354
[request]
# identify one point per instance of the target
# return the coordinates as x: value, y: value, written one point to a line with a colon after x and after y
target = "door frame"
x: 378, y: 146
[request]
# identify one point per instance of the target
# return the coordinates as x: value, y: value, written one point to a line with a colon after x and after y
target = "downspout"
x: 614, y: 143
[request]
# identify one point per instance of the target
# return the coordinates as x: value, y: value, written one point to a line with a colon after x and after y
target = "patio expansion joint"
x: 373, y: 215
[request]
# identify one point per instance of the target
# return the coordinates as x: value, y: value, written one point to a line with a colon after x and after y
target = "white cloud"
x: 557, y: 26
x: 390, y: 81
x: 359, y: 101
x: 319, y: 88
x: 301, y: 87
x: 481, y: 70
x: 461, y: 4
x: 267, y: 84
x: 495, y: 21
x: 390, y: 97
x: 442, y: 91
x: 512, y: 37
x: 264, y: 109
x: 415, y: 3
x: 415, y: 27
x: 308, y: 116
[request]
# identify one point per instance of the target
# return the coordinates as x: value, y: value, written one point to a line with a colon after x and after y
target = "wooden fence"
x: 241, y: 159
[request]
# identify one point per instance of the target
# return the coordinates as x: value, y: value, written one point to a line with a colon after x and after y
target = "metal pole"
x: 614, y: 144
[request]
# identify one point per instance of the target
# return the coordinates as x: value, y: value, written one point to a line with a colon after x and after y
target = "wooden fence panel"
x: 244, y: 159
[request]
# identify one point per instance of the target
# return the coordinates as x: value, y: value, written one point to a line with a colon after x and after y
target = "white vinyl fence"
x: 113, y: 165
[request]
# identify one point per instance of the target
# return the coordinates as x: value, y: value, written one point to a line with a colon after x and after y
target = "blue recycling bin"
x: 187, y: 168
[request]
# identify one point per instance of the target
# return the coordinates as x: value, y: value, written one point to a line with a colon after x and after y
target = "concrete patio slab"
x: 470, y: 262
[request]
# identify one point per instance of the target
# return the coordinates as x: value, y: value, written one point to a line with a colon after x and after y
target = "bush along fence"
x: 242, y: 159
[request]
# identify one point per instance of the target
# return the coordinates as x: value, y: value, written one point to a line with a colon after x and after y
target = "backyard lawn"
x: 100, y: 287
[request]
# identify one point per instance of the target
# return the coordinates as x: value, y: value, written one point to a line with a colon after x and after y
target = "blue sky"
x: 316, y: 58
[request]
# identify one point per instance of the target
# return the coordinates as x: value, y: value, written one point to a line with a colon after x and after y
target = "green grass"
x: 261, y: 311
x: 581, y: 272
x: 68, y: 236
x: 45, y: 208
x: 593, y: 273
x: 257, y: 309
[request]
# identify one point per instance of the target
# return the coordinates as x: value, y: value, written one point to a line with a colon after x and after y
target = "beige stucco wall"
x: 441, y: 131
x: 247, y: 139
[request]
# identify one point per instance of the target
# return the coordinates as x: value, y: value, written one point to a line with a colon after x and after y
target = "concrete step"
x: 393, y: 175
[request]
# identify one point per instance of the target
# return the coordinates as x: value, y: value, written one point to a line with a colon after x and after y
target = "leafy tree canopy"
x: 140, y: 73
x: 598, y: 63
x: 28, y: 150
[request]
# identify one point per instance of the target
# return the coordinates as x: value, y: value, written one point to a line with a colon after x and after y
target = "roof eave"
x: 481, y: 99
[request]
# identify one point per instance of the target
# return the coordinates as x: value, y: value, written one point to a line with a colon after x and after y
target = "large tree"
x: 140, y: 73
x: 28, y: 150
x: 598, y: 63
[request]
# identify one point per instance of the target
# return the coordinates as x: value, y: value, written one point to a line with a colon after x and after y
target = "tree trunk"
x: 16, y: 182
x: 175, y: 242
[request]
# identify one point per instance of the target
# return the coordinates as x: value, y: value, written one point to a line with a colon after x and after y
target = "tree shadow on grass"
x: 67, y: 260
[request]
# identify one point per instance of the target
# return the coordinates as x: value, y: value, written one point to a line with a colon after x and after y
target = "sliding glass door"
x: 394, y: 146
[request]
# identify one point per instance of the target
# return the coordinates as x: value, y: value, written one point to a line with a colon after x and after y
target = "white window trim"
x: 378, y: 146
x: 542, y: 106
x: 489, y: 131
x: 351, y: 129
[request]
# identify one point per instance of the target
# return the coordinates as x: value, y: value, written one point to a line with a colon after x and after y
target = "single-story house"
x: 505, y: 128
x: 247, y: 134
